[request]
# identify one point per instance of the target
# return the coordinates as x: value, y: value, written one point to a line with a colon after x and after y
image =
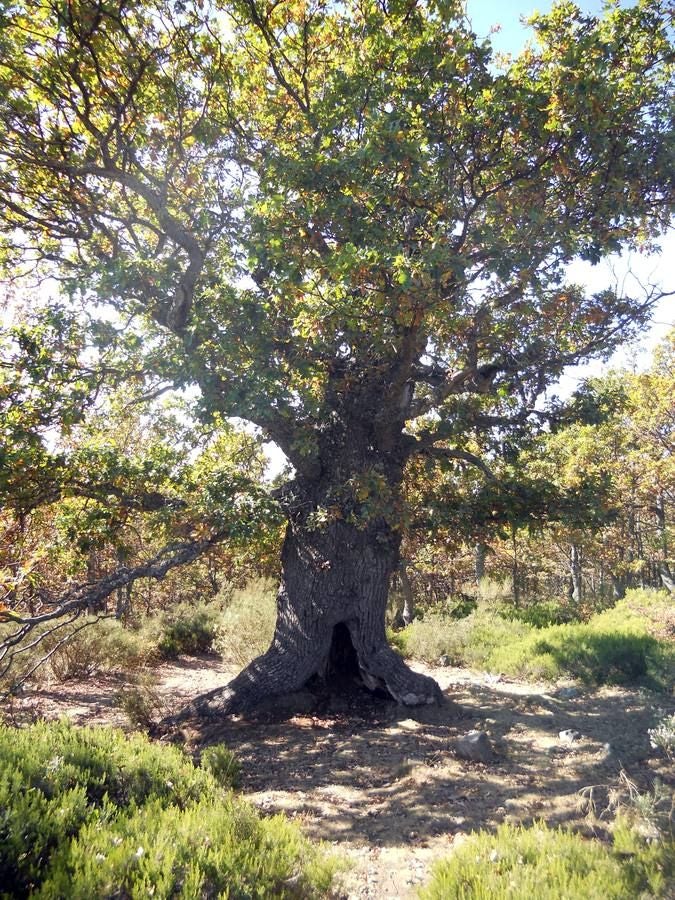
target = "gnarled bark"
x: 335, y: 584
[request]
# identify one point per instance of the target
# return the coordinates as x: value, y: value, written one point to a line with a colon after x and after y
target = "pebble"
x: 475, y: 746
x: 568, y: 693
x: 569, y: 736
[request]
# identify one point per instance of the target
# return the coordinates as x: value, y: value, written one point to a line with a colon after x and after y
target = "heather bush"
x: 186, y: 628
x: 90, y: 813
x: 621, y: 645
x: 520, y: 863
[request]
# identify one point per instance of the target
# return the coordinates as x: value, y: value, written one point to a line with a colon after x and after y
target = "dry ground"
x: 384, y: 784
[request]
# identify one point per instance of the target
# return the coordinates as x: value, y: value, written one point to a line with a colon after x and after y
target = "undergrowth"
x: 187, y: 628
x: 90, y: 813
x: 93, y: 644
x: 247, y: 625
x: 77, y: 650
x: 521, y: 863
x: 618, y: 646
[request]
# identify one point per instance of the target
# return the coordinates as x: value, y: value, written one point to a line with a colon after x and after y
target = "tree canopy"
x: 347, y: 223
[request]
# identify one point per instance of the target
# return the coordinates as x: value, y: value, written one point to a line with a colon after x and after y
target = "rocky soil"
x: 386, y: 786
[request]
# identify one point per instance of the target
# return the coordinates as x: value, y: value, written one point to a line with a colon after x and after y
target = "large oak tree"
x: 347, y: 223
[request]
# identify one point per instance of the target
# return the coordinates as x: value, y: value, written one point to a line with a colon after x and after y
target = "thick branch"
x: 77, y: 600
x: 462, y: 455
x: 89, y: 595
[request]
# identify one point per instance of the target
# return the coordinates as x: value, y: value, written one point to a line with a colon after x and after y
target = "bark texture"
x: 335, y: 584
x: 340, y: 553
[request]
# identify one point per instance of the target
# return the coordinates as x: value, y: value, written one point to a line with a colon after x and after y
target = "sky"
x: 507, y: 14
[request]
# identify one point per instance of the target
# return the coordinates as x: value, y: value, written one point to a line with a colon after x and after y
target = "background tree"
x: 587, y: 481
x: 345, y: 224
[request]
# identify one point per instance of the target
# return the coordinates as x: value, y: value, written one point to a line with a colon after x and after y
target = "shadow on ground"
x: 386, y: 775
x: 385, y: 784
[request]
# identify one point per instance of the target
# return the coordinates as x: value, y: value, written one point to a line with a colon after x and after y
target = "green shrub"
x: 521, y: 863
x: 187, y: 628
x: 470, y: 641
x: 589, y: 652
x: 247, y: 624
x: 54, y: 778
x: 643, y: 609
x: 221, y: 762
x: 91, y: 645
x: 211, y: 849
x: 142, y: 702
x: 616, y: 646
x: 399, y: 641
x: 93, y: 813
x: 426, y: 639
x: 540, y: 613
x: 102, y: 646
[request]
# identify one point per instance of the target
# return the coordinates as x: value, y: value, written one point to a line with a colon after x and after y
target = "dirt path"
x: 385, y: 786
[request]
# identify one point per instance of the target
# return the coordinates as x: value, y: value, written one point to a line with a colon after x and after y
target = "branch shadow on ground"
x: 387, y: 775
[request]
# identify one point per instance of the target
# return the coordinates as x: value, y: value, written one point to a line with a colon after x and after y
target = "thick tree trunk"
x: 339, y: 555
x: 330, y: 623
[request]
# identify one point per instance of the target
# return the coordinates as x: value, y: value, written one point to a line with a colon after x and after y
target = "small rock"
x: 475, y: 745
x: 569, y: 736
x: 607, y: 755
x: 444, y: 660
x: 568, y: 693
x: 409, y: 724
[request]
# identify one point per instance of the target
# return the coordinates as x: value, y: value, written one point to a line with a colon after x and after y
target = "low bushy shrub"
x: 591, y: 652
x: 142, y: 702
x: 215, y: 848
x: 187, y: 628
x: 90, y: 813
x: 77, y: 650
x: 522, y: 863
x: 618, y: 646
x: 662, y: 735
x: 470, y: 641
x: 247, y: 625
x: 103, y: 645
x: 540, y: 613
x: 222, y: 763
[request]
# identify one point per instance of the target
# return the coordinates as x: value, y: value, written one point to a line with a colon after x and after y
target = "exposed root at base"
x: 274, y: 683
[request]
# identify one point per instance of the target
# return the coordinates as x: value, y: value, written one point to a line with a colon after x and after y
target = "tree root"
x: 277, y: 673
